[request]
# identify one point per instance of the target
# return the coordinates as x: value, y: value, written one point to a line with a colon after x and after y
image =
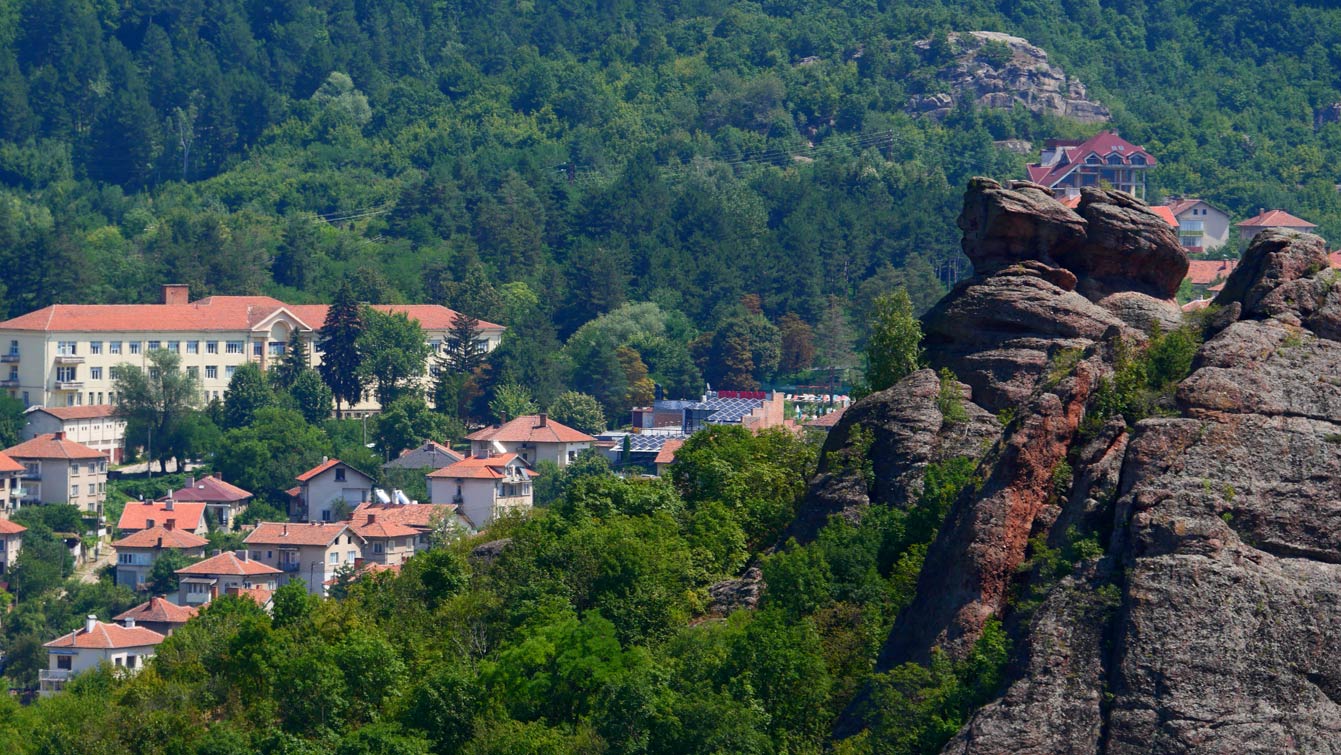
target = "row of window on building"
x: 71, y: 348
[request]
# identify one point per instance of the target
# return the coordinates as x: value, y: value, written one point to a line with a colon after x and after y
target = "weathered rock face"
x: 1212, y: 621
x: 996, y: 70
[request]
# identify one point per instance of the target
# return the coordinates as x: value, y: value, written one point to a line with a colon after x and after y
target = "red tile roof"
x: 417, y: 515
x: 1179, y: 206
x: 1102, y: 144
x: 1165, y: 214
x: 477, y: 468
x: 528, y: 429
x: 1334, y: 258
x: 211, y: 489
x: 49, y: 446
x: 214, y: 313
x: 318, y: 469
x: 7, y: 464
x: 161, y: 537
x: 160, y: 610
x: 828, y: 420
x: 301, y: 533
x: 136, y: 515
x: 107, y: 636
x: 10, y: 528
x: 67, y: 413
x: 667, y: 453
x: 261, y: 595
x: 1276, y: 219
x: 228, y: 563
x: 371, y: 526
x: 1202, y: 272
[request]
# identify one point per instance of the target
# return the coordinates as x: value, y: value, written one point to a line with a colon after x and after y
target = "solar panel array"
x: 727, y: 410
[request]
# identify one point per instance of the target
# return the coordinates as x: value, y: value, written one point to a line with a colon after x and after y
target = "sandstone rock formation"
x: 996, y: 70
x: 1211, y: 622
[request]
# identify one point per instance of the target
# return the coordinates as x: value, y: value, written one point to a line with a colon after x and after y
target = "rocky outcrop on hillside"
x: 995, y: 70
x: 1205, y: 615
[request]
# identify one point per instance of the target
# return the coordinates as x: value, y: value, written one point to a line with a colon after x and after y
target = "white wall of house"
x: 81, y: 483
x: 1203, y: 227
x: 10, y: 545
x: 480, y: 500
x: 340, y: 483
x: 532, y: 453
x: 314, y: 564
x: 66, y: 663
x: 105, y: 434
x: 198, y: 589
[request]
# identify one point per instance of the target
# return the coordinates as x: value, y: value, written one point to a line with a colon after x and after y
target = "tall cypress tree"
x: 340, y: 357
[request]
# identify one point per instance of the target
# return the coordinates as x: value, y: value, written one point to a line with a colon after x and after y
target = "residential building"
x: 625, y: 450
x: 206, y: 580
x: 423, y: 518
x: 1206, y: 273
x: 753, y: 410
x: 125, y: 647
x: 311, y: 551
x: 825, y: 422
x: 427, y: 457
x: 143, y: 515
x: 666, y: 455
x: 533, y: 437
x: 96, y: 426
x: 223, y: 501
x: 328, y: 492
x: 158, y: 614
x: 136, y: 553
x: 1201, y: 225
x: 1267, y: 219
x: 11, y: 542
x: 1068, y: 165
x: 483, y: 488
x: 386, y: 542
x: 65, y: 354
x: 11, y: 480
x: 59, y: 470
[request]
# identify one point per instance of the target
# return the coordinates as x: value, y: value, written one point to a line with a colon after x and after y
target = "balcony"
x: 10, y: 358
x: 54, y: 675
x: 289, y: 566
x: 69, y: 385
x: 9, y: 382
x: 69, y: 359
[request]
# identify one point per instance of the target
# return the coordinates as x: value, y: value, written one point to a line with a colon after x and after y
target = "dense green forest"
x: 543, y: 162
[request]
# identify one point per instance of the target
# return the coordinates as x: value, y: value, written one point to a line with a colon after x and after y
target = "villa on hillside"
x: 1068, y: 165
x: 124, y: 647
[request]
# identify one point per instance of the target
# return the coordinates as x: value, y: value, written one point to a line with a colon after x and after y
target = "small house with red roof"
x: 11, y: 474
x: 533, y: 437
x: 223, y: 500
x: 94, y: 425
x: 145, y: 515
x: 1267, y: 219
x: 666, y: 455
x: 206, y: 580
x: 483, y: 488
x: 386, y: 540
x: 137, y: 552
x: 124, y: 647
x: 1068, y: 165
x: 60, y: 470
x: 158, y: 614
x: 423, y: 518
x: 1201, y: 225
x: 328, y: 492
x: 11, y: 542
x: 311, y: 551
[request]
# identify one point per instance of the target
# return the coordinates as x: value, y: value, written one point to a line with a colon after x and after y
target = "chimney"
x: 190, y: 481
x: 285, y: 533
x: 176, y: 293
x: 544, y: 418
x: 58, y: 435
x: 243, y: 555
x: 170, y: 503
x: 371, y: 517
x: 149, y: 524
x: 169, y: 524
x: 90, y: 622
x: 129, y: 623
x: 160, y: 542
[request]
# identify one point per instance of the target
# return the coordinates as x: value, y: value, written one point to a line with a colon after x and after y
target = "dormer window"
x: 1115, y: 159
x: 1093, y: 160
x: 1138, y: 159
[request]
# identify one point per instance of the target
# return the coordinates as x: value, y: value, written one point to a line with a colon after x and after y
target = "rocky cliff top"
x: 991, y: 69
x: 1211, y: 619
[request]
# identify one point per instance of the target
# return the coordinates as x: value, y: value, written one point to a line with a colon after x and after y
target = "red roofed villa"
x: 158, y: 614
x: 204, y: 581
x: 533, y: 437
x: 94, y: 425
x: 137, y: 552
x: 60, y: 470
x: 96, y: 642
x: 223, y: 501
x: 483, y: 488
x: 1067, y: 165
x: 11, y: 473
x: 143, y: 515
x: 311, y: 551
x: 1272, y: 219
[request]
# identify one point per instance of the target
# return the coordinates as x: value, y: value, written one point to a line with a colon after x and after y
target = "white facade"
x: 311, y: 552
x: 479, y: 496
x: 72, y: 654
x: 81, y: 483
x: 322, y: 497
x: 101, y: 432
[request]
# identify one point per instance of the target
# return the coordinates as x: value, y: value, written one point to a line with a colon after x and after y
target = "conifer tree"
x: 294, y: 363
x: 463, y: 354
x: 340, y: 355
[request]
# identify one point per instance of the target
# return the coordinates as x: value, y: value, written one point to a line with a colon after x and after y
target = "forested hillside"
x: 544, y: 162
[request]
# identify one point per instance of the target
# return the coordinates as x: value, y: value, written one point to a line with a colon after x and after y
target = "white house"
x: 328, y: 492
x: 11, y: 478
x: 483, y: 488
x: 533, y: 437
x: 204, y: 581
x: 95, y: 426
x: 11, y: 542
x: 59, y: 470
x: 311, y: 551
x: 137, y: 552
x: 1201, y: 225
x: 125, y: 647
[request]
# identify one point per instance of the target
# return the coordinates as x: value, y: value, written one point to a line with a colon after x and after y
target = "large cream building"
x: 67, y: 354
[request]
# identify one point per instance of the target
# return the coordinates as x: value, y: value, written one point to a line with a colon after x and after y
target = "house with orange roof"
x: 223, y: 500
x: 1201, y: 225
x: 11, y: 542
x: 666, y: 455
x: 206, y: 580
x: 483, y: 488
x: 11, y: 474
x: 65, y: 354
x: 423, y: 518
x: 158, y: 614
x: 137, y: 552
x: 144, y: 515
x: 533, y: 437
x: 96, y: 426
x: 59, y: 470
x: 1266, y: 219
x: 124, y: 647
x: 1207, y: 273
x: 311, y: 551
x: 328, y: 492
x: 387, y: 541
x: 1068, y: 165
